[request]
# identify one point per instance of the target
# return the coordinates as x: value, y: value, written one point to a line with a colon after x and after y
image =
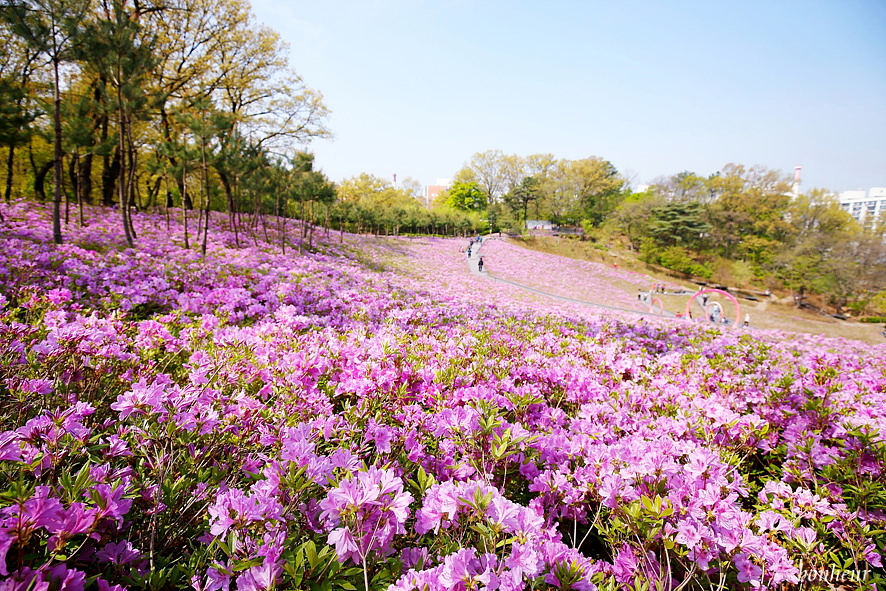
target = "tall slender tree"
x: 116, y: 48
x: 51, y: 28
x: 17, y: 110
x: 519, y: 198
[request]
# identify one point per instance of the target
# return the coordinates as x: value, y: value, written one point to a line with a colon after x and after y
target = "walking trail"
x: 473, y: 265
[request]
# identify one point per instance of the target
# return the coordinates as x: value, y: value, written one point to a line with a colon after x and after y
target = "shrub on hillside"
x: 676, y: 258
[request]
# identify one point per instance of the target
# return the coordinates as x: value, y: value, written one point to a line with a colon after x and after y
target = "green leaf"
x: 648, y: 505
x: 241, y: 565
x: 480, y: 529
x: 310, y: 550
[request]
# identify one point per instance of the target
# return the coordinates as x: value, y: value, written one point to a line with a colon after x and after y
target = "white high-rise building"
x: 864, y: 205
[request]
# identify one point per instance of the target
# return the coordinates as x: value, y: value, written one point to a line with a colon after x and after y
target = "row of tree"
x: 509, y: 188
x: 367, y: 203
x: 186, y: 103
x: 750, y: 220
x: 740, y: 225
x: 140, y: 102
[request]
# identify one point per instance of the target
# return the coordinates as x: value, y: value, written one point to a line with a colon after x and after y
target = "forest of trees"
x: 749, y: 221
x: 186, y: 104
x: 192, y: 106
x: 740, y: 224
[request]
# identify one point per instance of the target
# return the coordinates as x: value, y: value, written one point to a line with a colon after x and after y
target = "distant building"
x: 539, y: 225
x: 864, y: 206
x: 431, y: 191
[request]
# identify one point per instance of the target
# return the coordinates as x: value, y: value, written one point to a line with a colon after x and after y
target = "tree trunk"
x: 10, y: 167
x: 123, y: 194
x: 311, y: 230
x: 84, y: 178
x: 173, y: 162
x: 207, y: 195
x: 253, y: 224
x: 110, y: 166
x: 229, y: 197
x: 40, y: 177
x: 57, y: 155
x: 199, y: 223
x: 184, y: 186
x: 282, y: 234
x: 153, y: 192
x: 110, y: 172
x: 188, y: 202
x: 168, y: 203
x: 75, y: 186
x: 131, y: 178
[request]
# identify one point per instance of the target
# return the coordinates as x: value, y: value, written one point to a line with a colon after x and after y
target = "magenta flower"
x: 748, y: 571
x: 439, y: 506
x: 873, y: 557
x: 625, y: 564
x: 264, y: 576
x: 118, y: 553
x: 363, y: 514
x: 57, y: 578
x: 10, y: 448
x: 688, y: 535
x: 77, y: 519
x: 236, y: 509
x: 116, y: 447
x: 103, y: 585
x: 466, y: 570
x: 113, y: 505
x: 41, y: 510
x: 523, y: 561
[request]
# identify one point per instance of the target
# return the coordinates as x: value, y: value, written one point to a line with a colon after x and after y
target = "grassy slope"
x: 775, y: 313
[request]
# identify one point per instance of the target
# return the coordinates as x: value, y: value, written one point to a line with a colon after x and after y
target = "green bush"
x: 649, y: 251
x: 678, y: 259
x: 877, y: 304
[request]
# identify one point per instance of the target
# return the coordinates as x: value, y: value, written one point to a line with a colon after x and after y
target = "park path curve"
x: 473, y: 266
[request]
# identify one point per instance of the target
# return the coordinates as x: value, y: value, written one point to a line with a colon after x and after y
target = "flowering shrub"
x: 372, y: 415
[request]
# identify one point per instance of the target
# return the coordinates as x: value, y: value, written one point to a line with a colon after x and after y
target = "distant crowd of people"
x: 713, y: 312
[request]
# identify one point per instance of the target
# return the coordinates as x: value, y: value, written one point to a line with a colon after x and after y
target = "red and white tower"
x: 795, y: 188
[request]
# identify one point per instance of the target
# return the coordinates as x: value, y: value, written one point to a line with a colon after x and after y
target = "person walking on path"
x: 480, y: 265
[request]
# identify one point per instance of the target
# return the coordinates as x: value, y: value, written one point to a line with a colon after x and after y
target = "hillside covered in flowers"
x: 371, y: 414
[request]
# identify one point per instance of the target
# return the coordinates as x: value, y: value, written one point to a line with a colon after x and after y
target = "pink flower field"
x: 582, y: 280
x: 373, y: 415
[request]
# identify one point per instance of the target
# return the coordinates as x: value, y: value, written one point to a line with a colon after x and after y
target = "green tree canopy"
x: 519, y: 198
x: 678, y: 223
x: 371, y: 191
x: 465, y: 196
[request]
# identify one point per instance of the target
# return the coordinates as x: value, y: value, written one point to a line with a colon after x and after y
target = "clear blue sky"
x: 416, y: 87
